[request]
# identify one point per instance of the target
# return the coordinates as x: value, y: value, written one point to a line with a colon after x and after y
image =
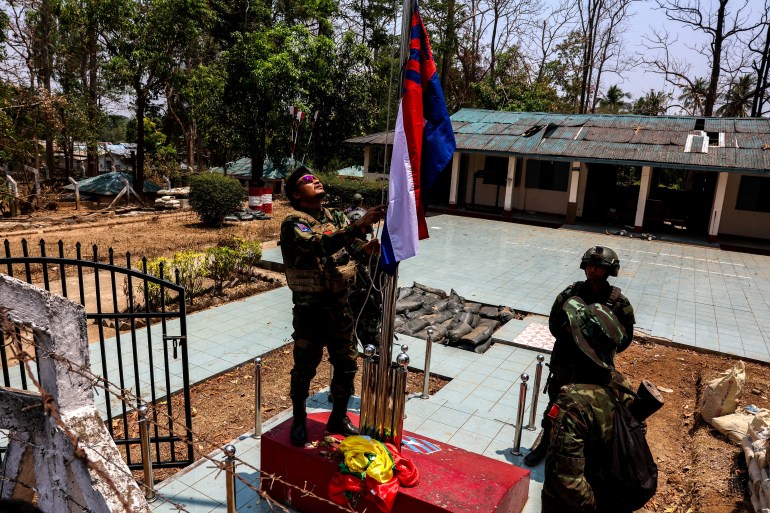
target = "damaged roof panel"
x: 646, y: 140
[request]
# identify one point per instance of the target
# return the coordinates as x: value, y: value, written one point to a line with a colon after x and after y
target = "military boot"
x: 539, y: 449
x: 339, y: 423
x: 298, y: 433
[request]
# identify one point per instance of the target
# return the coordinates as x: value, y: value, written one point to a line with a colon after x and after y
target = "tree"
x: 738, y: 98
x: 612, y: 102
x: 761, y: 66
x: 653, y: 103
x: 694, y: 95
x: 721, y: 25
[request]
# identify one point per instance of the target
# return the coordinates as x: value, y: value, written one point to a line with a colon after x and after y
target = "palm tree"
x: 738, y: 98
x: 612, y: 102
x: 652, y: 104
x: 694, y: 95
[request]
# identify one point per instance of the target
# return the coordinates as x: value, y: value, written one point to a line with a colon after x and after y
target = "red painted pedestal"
x: 451, y: 479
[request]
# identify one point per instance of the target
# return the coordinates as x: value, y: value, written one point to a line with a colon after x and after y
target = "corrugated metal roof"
x: 646, y: 140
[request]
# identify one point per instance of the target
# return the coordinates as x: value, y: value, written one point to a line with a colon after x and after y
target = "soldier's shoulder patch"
x: 303, y: 227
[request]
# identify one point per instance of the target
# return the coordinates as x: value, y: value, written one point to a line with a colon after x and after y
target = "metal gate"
x: 139, y: 319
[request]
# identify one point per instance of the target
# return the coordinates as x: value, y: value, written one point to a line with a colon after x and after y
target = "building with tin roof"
x: 700, y: 176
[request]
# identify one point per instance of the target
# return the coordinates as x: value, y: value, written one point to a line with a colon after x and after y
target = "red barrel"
x: 255, y: 198
x: 267, y: 200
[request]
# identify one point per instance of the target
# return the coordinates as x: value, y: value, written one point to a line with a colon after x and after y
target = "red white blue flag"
x: 423, y: 146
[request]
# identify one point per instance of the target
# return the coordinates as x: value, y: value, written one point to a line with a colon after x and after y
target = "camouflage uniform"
x: 316, y: 252
x: 565, y: 353
x: 581, y: 433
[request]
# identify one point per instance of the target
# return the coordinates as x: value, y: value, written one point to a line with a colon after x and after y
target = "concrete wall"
x: 743, y: 223
x: 485, y: 194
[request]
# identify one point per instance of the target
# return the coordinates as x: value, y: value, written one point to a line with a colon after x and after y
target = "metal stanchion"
x: 257, y: 397
x: 144, y: 440
x: 426, y: 376
x: 368, y: 386
x: 399, y: 397
x: 536, y: 391
x: 229, y: 450
x: 516, y: 451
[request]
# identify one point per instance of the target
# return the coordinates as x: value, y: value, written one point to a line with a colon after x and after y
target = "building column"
x: 574, y: 181
x: 508, y: 204
x: 644, y: 193
x: 367, y: 158
x: 716, y: 209
x: 455, y: 181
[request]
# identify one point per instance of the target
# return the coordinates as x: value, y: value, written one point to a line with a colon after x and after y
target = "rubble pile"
x: 457, y: 322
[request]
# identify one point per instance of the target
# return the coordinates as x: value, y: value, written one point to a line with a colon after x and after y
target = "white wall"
x: 742, y: 222
x: 550, y: 202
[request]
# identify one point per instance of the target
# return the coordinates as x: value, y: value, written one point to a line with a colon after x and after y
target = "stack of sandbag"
x: 167, y: 202
x: 457, y: 322
x: 749, y: 426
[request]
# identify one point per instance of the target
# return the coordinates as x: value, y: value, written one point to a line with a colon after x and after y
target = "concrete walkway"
x: 697, y: 296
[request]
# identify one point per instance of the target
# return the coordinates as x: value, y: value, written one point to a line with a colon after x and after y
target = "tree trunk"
x: 762, y: 76
x: 450, y: 46
x: 257, y: 145
x: 92, y: 163
x: 140, y: 108
x: 46, y: 57
x: 716, y: 45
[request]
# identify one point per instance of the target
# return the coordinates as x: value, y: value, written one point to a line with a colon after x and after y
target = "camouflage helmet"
x: 603, y: 257
x: 595, y: 329
x: 358, y: 197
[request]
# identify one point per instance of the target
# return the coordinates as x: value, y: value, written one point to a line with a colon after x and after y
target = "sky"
x: 638, y: 80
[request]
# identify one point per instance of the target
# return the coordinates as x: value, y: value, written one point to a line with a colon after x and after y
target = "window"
x: 754, y: 194
x: 547, y: 175
x: 495, y: 170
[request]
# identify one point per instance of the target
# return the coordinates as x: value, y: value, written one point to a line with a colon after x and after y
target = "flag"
x: 423, y: 145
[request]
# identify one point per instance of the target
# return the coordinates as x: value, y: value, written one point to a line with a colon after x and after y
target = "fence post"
x: 516, y: 451
x: 230, y: 476
x: 144, y: 439
x: 426, y: 375
x: 257, y: 397
x: 536, y: 391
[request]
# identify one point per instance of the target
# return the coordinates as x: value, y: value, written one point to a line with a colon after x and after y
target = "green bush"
x: 248, y: 252
x: 192, y: 270
x: 340, y: 190
x: 214, y: 196
x: 151, y: 295
x: 221, y: 264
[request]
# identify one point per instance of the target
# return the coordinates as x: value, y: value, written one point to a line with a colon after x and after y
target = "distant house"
x: 111, y: 157
x: 271, y: 174
x: 706, y: 176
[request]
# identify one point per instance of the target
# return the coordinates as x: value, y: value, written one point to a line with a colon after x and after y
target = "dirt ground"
x: 700, y: 470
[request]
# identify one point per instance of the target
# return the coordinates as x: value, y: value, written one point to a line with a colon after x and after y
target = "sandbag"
x: 453, y: 295
x: 505, y: 314
x: 473, y: 308
x: 430, y: 290
x: 440, y: 305
x: 454, y: 306
x: 720, y: 397
x: 398, y: 322
x: 431, y: 298
x: 488, y: 312
x: 414, y: 325
x: 479, y: 335
x: 734, y: 426
x: 420, y: 312
x: 481, y: 348
x: 408, y: 305
x: 454, y: 336
x: 403, y: 293
x: 464, y: 318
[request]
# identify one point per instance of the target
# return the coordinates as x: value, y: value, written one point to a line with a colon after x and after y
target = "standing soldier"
x: 599, y: 263
x: 317, y: 245
x: 583, y: 415
x: 357, y: 210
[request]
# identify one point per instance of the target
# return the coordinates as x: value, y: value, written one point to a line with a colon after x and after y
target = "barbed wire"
x: 127, y: 397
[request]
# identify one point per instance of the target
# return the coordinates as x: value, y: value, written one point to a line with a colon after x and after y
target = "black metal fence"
x: 139, y: 320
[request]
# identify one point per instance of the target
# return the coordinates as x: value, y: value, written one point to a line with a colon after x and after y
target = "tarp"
x: 110, y: 184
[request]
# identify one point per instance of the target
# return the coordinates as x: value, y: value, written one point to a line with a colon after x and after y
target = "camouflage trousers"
x: 329, y: 325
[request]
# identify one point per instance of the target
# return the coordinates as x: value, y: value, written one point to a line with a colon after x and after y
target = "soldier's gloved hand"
x: 372, y: 247
x: 373, y: 215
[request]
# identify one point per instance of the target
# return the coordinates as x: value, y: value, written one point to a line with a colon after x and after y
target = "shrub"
x: 340, y: 190
x: 221, y: 263
x: 214, y: 196
x: 192, y: 270
x: 151, y: 294
x: 248, y: 252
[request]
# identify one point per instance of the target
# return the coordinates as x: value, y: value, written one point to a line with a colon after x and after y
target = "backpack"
x: 629, y: 473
